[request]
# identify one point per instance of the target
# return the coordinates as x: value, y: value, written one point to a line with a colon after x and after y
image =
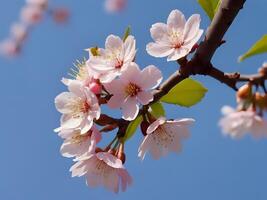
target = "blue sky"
x: 211, y: 166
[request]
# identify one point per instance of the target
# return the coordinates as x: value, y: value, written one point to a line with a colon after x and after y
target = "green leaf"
x: 210, y: 6
x: 259, y: 47
x: 131, y: 129
x: 157, y: 110
x: 126, y: 33
x: 186, y: 93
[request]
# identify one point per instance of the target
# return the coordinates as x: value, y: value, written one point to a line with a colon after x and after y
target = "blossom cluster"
x: 111, y: 76
x: 31, y: 14
x: 248, y: 117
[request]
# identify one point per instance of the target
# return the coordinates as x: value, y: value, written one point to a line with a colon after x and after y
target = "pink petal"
x: 115, y: 87
x: 145, y: 97
x: 151, y: 77
x: 159, y: 32
x: 110, y: 160
x: 129, y: 49
x: 132, y: 74
x: 159, y: 50
x: 189, y: 44
x: 178, y: 53
x: 130, y: 109
x: 126, y: 179
x: 176, y: 20
x: 113, y: 42
x: 69, y: 122
x: 62, y: 102
x: 152, y: 127
x: 116, y: 101
x: 191, y: 27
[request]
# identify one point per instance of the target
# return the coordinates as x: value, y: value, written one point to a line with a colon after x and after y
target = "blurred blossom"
x: 115, y: 5
x: 9, y: 48
x: 31, y: 14
x: 40, y: 3
x: 61, y: 15
x: 19, y: 32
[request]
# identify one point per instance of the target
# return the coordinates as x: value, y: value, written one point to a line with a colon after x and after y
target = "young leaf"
x: 210, y: 6
x: 157, y: 110
x: 131, y: 129
x: 126, y: 33
x: 186, y: 93
x: 259, y: 47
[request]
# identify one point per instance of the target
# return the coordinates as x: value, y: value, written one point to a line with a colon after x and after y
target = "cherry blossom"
x: 164, y: 136
x: 77, y: 144
x: 114, y: 5
x: 133, y: 87
x: 9, y: 48
x: 238, y: 123
x: 104, y: 169
x: 79, y: 107
x: 114, y: 59
x: 176, y: 38
x: 31, y: 15
x: 19, y: 32
x: 40, y: 3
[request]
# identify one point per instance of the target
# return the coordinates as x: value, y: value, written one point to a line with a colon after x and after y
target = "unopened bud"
x: 261, y: 100
x: 244, y: 92
x: 263, y: 69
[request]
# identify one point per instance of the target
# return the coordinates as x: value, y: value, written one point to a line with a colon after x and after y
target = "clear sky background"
x: 210, y: 166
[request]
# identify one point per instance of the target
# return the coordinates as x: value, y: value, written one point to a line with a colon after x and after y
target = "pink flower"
x: 114, y: 59
x: 31, y: 15
x: 132, y: 88
x: 238, y: 123
x: 77, y: 144
x: 19, y: 32
x: 104, y: 169
x: 79, y: 108
x: 164, y: 136
x: 176, y: 38
x: 9, y: 48
x: 114, y: 5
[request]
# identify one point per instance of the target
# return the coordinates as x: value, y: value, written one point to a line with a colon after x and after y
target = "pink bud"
x: 41, y: 3
x: 95, y: 87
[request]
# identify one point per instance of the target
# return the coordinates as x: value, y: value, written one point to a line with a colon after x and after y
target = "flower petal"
x: 191, y: 27
x: 113, y: 42
x: 130, y: 108
x: 176, y: 20
x: 178, y: 53
x: 151, y: 77
x: 159, y: 32
x: 145, y: 97
x: 159, y: 50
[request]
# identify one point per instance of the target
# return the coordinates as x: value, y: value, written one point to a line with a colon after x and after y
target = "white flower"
x: 104, y: 169
x: 76, y: 144
x: 114, y: 59
x: 164, y: 136
x: 176, y: 38
x: 238, y: 123
x: 79, y: 108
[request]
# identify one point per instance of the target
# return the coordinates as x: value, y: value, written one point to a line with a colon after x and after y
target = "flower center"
x: 177, y: 39
x: 132, y: 89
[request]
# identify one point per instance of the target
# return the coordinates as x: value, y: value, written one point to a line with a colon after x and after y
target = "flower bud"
x: 61, y: 15
x: 244, y: 92
x: 95, y: 87
x: 261, y: 100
